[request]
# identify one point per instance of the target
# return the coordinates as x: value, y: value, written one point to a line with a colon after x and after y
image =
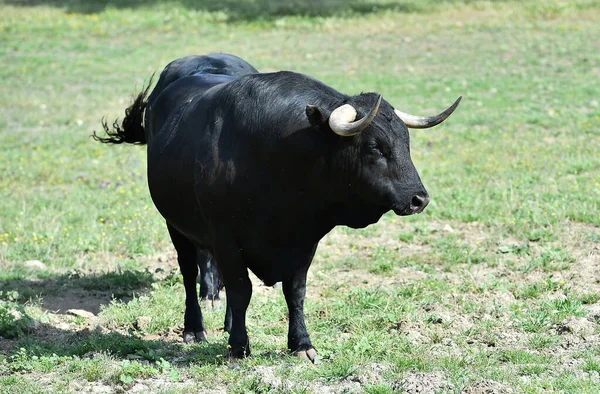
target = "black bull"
x: 254, y: 169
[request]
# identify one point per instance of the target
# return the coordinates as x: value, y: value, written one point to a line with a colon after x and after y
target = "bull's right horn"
x: 342, y: 118
x: 424, y: 122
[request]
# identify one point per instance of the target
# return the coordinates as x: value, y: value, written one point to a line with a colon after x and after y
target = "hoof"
x: 308, y: 355
x: 191, y: 336
x: 238, y: 353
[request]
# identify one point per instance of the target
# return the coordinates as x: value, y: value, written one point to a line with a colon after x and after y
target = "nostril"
x: 417, y: 201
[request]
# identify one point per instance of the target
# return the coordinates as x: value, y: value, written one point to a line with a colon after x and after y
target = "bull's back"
x: 214, y: 63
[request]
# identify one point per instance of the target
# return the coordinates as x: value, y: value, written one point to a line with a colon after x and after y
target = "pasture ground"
x: 495, y: 288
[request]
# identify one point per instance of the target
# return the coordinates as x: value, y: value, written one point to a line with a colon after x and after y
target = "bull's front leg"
x: 294, y: 290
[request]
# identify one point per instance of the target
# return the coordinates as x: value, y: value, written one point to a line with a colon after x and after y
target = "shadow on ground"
x: 248, y: 10
x: 48, y: 340
x: 88, y: 292
x: 58, y: 294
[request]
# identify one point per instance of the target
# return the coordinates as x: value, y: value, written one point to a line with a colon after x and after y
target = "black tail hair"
x: 131, y: 130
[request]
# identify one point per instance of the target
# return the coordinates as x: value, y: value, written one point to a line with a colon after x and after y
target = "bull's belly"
x: 174, y: 198
x: 272, y: 263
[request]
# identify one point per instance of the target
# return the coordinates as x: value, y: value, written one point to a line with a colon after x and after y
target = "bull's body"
x: 242, y: 169
x: 261, y: 185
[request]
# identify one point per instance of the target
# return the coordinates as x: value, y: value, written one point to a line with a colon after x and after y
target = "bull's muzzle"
x: 417, y: 204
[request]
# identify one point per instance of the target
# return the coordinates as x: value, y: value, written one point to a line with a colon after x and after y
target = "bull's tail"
x: 131, y: 129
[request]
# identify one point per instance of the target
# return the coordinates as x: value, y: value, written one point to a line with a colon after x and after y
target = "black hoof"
x: 242, y: 352
x: 191, y: 336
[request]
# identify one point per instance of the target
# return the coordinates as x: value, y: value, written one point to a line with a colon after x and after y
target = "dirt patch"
x: 487, y: 387
x: 269, y: 378
x: 578, y: 239
x: 579, y: 326
x: 354, y: 383
x: 153, y: 385
x: 423, y: 383
x: 6, y: 345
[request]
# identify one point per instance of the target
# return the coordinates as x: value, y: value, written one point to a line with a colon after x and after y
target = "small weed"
x: 252, y: 384
x: 382, y: 267
x: 352, y: 262
x: 340, y: 369
x: 591, y: 364
x: 535, y: 321
x: 519, y: 250
x: 383, y: 259
x: 547, y: 313
x: 379, y: 389
x: 534, y: 369
x: 542, y: 341
x: 14, y: 320
x: 534, y: 290
x: 551, y: 259
x: 406, y: 237
x: 595, y: 238
x: 522, y: 357
x: 565, y: 307
x: 589, y: 298
x: 25, y: 361
x: 540, y: 235
x: 131, y: 370
x: 452, y: 253
x: 95, y: 371
x: 433, y: 318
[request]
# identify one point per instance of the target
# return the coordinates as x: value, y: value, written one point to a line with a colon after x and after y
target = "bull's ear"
x: 316, y: 116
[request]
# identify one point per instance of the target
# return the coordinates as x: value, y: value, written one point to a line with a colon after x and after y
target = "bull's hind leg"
x: 193, y: 325
x: 294, y: 291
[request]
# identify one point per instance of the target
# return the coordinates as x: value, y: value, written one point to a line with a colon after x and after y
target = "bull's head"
x: 374, y: 154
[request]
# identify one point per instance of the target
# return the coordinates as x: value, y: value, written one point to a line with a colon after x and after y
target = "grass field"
x: 496, y: 286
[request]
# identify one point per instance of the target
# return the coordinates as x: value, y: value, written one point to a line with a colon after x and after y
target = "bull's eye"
x: 376, y: 151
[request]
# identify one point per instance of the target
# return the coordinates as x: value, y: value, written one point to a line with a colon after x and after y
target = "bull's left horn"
x: 424, y: 122
x: 342, y: 118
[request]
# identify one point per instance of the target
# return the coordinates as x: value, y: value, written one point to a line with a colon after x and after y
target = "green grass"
x: 475, y: 289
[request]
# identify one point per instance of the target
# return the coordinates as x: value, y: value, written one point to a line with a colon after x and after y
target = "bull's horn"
x: 424, y: 122
x: 342, y: 118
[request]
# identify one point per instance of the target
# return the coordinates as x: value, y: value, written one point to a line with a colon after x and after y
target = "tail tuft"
x: 131, y: 130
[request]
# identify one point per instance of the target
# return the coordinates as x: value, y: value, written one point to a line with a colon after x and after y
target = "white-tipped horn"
x: 424, y: 122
